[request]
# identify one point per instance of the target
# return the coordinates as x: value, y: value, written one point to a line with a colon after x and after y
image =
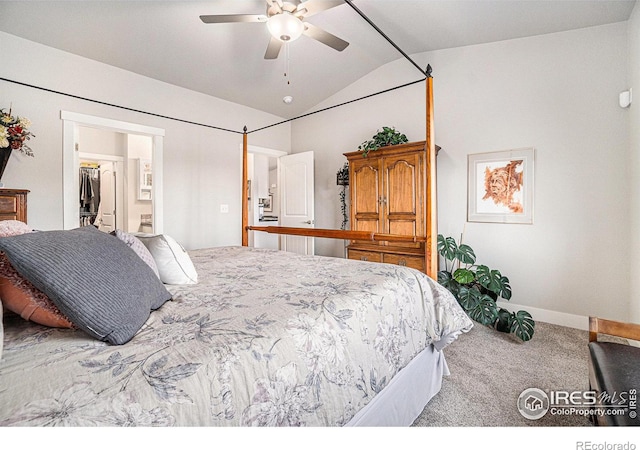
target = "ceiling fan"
x: 285, y: 21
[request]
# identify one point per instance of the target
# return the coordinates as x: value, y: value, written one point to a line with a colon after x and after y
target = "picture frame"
x: 145, y: 179
x: 500, y: 186
x: 266, y: 203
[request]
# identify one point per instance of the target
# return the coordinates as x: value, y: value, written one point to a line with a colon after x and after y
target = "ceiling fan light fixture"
x: 285, y: 27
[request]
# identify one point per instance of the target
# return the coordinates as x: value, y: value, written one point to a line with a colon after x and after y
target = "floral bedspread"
x: 266, y: 338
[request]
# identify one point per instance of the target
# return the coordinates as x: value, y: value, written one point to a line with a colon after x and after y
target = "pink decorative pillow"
x: 13, y: 228
x: 18, y: 294
x: 23, y: 298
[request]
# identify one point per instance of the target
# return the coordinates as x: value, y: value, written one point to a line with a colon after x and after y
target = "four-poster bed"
x: 264, y: 338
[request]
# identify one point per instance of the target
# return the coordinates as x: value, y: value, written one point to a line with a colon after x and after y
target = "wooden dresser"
x: 388, y: 195
x: 13, y: 204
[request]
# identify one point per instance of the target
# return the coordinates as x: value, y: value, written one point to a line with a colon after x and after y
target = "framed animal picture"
x: 500, y: 186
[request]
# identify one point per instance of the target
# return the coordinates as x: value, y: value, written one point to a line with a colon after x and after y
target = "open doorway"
x: 131, y: 136
x: 115, y: 180
x: 290, y: 198
x: 264, y: 198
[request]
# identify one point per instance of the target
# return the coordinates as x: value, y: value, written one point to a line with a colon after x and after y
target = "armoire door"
x: 366, y: 195
x: 402, y: 197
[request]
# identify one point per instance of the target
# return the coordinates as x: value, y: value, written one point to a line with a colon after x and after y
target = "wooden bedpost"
x: 245, y: 190
x: 431, y: 246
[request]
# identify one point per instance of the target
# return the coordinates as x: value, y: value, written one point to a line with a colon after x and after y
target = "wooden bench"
x: 614, y: 371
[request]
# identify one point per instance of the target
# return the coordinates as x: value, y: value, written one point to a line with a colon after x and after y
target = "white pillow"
x: 137, y: 246
x: 172, y: 260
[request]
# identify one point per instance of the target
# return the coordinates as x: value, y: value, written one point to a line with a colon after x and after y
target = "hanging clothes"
x: 89, y: 194
x: 95, y: 187
x: 86, y: 190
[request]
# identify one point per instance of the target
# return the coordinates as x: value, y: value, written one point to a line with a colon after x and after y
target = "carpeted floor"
x: 489, y: 370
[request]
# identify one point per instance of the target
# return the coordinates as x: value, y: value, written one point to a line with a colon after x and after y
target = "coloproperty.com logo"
x: 534, y: 403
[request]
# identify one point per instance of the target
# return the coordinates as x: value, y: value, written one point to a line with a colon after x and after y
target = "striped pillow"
x: 95, y: 279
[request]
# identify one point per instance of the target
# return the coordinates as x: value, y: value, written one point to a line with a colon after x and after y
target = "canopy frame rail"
x: 337, y: 234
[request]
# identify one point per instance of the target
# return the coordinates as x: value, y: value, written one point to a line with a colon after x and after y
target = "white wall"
x: 103, y: 142
x: 634, y: 138
x: 138, y: 147
x: 557, y: 93
x: 202, y: 166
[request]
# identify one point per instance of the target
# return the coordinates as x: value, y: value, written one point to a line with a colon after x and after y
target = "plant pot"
x: 5, y: 153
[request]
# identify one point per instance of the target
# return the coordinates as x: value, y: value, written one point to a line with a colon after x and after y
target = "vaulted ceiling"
x: 166, y: 40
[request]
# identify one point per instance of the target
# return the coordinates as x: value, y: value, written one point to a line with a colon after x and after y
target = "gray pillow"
x: 95, y: 279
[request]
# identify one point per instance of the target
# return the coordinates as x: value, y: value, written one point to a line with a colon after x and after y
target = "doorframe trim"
x: 71, y: 122
x: 257, y: 150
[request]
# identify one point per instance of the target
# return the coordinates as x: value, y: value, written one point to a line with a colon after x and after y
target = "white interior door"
x: 296, y: 200
x: 107, y: 209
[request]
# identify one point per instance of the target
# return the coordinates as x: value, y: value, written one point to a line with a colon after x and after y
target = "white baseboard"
x: 548, y: 316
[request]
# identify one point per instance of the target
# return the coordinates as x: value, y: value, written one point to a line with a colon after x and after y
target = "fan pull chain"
x: 287, y: 99
x: 287, y: 73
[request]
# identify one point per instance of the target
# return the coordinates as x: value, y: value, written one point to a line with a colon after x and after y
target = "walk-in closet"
x: 89, y: 193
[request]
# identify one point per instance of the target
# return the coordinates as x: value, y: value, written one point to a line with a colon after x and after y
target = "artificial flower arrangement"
x: 14, y: 132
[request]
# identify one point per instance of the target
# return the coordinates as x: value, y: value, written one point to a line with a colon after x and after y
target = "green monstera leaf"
x: 469, y: 298
x: 451, y: 251
x: 447, y: 247
x: 485, y: 312
x: 464, y: 276
x: 465, y: 254
x: 446, y: 279
x: 522, y: 325
x: 494, y: 281
x: 503, y: 323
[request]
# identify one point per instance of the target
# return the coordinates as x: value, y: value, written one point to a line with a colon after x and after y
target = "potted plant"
x: 342, y: 179
x: 388, y: 136
x: 477, y: 289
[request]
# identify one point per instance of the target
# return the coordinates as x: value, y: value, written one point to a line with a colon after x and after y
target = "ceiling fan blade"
x: 274, y: 7
x: 311, y: 7
x: 325, y: 37
x: 273, y: 49
x: 229, y: 18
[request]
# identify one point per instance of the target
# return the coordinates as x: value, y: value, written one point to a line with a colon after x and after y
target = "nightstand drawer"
x: 8, y: 205
x: 13, y: 204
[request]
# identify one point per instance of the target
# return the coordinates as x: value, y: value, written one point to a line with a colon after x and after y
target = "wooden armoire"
x: 388, y: 195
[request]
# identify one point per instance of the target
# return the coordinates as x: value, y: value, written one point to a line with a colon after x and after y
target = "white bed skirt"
x: 400, y: 403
